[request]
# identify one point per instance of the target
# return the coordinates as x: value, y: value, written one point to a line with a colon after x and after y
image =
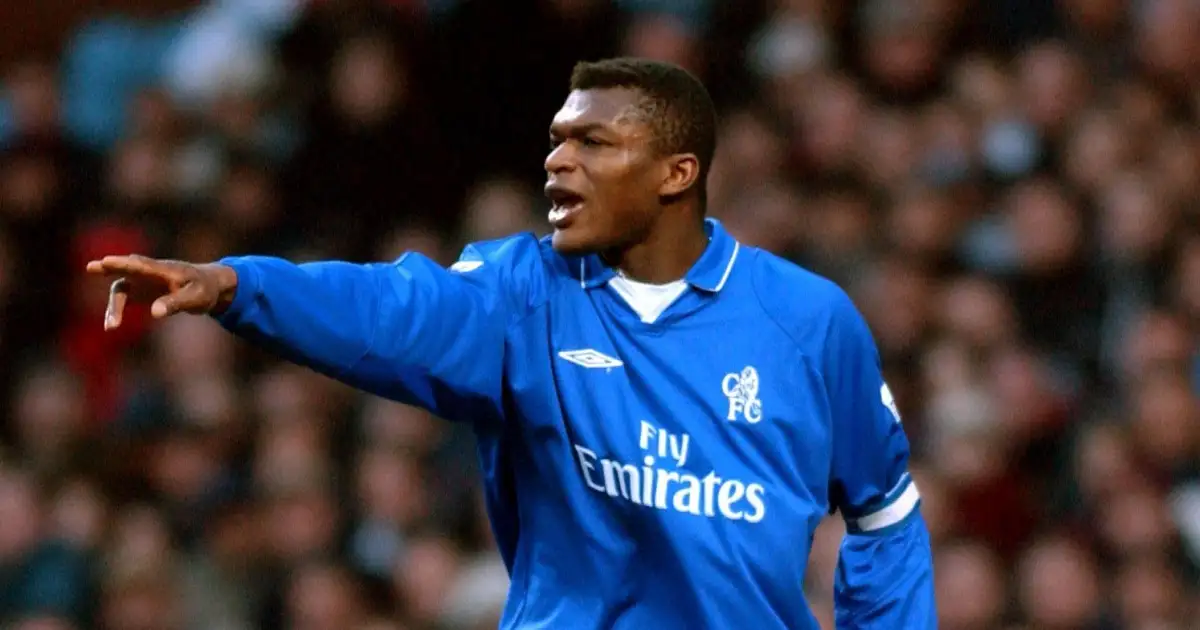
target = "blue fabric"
x: 104, y: 65
x: 7, y: 124
x: 1196, y: 374
x: 54, y: 579
x: 694, y: 13
x: 886, y: 581
x: 666, y: 474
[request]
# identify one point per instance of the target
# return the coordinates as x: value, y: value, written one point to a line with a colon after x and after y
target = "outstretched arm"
x: 409, y: 330
x: 885, y: 571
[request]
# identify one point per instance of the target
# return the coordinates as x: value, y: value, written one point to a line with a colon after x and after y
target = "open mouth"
x: 566, y: 204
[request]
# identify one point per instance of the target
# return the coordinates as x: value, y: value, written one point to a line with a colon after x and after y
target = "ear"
x: 683, y: 169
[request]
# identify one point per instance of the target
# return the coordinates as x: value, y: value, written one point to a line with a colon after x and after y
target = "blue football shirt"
x: 662, y: 472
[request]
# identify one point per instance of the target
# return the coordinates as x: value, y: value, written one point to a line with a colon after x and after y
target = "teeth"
x: 561, y: 209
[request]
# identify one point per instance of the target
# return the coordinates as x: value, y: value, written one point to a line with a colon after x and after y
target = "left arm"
x: 884, y: 578
x: 885, y: 570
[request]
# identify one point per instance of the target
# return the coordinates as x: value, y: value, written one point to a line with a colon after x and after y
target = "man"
x: 664, y: 415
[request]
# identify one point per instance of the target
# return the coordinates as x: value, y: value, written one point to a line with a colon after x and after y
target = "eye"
x: 589, y: 141
x: 554, y: 142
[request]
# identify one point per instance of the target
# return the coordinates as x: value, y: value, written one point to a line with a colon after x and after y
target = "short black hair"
x: 675, y: 104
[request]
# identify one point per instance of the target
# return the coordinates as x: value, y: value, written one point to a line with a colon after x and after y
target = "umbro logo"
x: 589, y: 358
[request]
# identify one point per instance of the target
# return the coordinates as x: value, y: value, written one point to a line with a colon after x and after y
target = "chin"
x: 573, y: 243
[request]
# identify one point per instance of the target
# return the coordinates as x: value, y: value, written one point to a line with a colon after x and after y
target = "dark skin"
x: 639, y: 208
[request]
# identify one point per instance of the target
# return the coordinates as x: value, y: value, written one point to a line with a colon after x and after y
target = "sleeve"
x: 885, y: 570
x: 411, y: 331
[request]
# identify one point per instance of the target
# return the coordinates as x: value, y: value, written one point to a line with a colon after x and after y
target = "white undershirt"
x: 648, y: 300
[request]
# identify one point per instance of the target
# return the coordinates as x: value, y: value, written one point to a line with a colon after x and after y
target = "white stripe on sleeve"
x: 893, y: 513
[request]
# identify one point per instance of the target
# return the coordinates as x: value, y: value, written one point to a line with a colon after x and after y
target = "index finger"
x: 125, y: 265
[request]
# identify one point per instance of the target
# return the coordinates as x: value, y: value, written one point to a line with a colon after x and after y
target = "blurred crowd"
x: 1010, y: 190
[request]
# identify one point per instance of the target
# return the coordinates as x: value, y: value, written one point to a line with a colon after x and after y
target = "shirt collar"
x: 709, y: 273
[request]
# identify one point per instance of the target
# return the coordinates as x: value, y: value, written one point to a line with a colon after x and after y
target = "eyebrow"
x: 577, y: 129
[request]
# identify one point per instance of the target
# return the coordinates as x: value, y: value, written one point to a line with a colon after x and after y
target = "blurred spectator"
x: 41, y: 574
x: 970, y: 587
x: 49, y: 415
x: 424, y: 578
x: 370, y: 156
x: 1059, y: 585
x: 902, y: 45
x: 499, y: 207
x: 321, y: 597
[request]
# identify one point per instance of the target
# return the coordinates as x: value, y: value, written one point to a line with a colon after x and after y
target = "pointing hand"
x: 170, y: 286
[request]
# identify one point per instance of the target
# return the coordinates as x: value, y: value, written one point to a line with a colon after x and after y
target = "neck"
x: 669, y: 250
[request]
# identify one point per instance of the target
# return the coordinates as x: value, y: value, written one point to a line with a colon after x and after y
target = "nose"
x: 560, y: 159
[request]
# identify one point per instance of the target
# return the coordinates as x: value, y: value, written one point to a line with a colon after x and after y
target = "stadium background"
x: 1010, y: 190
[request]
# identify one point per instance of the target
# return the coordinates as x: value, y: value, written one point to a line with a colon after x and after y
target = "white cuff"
x: 890, y: 514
